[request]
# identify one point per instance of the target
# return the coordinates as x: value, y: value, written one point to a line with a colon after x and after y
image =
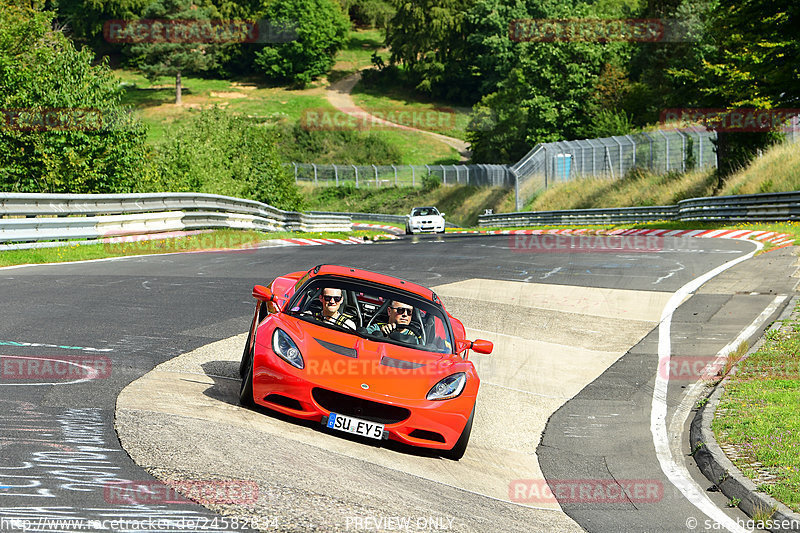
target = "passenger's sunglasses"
x: 402, y: 310
x: 328, y: 298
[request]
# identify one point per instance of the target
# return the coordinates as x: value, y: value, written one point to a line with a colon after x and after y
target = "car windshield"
x: 373, y: 311
x: 424, y: 212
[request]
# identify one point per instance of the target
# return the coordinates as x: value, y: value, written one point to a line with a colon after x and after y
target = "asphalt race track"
x: 566, y: 405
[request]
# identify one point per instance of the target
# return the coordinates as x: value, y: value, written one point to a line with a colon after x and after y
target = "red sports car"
x: 363, y: 353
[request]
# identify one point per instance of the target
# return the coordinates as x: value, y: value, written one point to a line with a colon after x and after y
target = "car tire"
x: 457, y: 452
x: 408, y: 231
x: 246, y: 389
x: 245, y: 354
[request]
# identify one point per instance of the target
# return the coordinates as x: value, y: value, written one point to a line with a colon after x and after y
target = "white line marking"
x: 677, y: 474
x: 709, y: 373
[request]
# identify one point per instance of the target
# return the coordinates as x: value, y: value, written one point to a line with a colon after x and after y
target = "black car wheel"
x: 246, y: 389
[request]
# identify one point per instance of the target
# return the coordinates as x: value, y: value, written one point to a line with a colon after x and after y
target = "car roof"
x: 390, y: 281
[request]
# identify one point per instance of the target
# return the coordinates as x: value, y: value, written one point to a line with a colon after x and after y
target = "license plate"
x: 356, y: 426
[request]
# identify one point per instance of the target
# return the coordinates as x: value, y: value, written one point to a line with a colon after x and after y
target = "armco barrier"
x: 369, y: 217
x: 48, y: 217
x: 768, y: 207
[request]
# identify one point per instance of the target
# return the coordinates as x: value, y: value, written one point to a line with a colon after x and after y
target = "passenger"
x: 397, y: 326
x: 331, y: 301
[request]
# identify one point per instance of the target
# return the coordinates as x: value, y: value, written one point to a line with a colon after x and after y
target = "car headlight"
x: 284, y: 346
x: 448, y: 388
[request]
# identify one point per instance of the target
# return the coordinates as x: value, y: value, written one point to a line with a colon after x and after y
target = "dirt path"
x: 339, y: 96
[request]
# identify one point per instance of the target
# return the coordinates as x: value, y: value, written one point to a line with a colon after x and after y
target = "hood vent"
x: 341, y: 350
x: 399, y: 363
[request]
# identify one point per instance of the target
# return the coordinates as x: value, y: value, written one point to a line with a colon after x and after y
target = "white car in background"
x: 425, y: 219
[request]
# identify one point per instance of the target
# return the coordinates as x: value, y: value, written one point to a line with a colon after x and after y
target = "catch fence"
x: 659, y: 151
x: 402, y: 175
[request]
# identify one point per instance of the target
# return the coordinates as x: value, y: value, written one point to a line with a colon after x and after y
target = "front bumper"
x: 418, y: 422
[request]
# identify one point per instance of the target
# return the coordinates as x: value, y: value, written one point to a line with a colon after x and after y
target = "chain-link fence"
x: 402, y: 175
x: 659, y: 151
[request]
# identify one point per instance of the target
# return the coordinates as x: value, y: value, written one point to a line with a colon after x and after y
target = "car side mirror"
x: 263, y: 294
x: 442, y: 215
x: 482, y: 346
x: 478, y: 346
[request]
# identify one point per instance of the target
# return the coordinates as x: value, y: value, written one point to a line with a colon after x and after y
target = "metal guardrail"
x: 768, y: 207
x: 578, y: 216
x: 45, y: 217
x: 369, y: 217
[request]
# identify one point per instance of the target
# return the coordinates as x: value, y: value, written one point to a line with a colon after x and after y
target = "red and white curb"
x: 394, y: 230
x: 778, y: 239
x: 320, y: 242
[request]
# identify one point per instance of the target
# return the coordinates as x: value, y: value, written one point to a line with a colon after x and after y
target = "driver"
x: 397, y: 326
x: 331, y: 299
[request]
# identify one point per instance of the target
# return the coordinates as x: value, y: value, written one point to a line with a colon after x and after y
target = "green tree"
x: 746, y: 58
x: 542, y: 99
x: 62, y: 128
x: 221, y: 153
x: 320, y: 30
x: 157, y: 57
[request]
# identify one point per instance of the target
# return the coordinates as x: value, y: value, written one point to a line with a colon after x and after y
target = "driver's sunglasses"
x: 329, y: 298
x: 402, y: 310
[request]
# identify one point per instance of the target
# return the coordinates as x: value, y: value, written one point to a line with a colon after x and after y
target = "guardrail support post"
x: 356, y: 169
x: 295, y: 172
x: 377, y: 183
x: 314, y: 166
x: 395, y: 175
x: 336, y: 174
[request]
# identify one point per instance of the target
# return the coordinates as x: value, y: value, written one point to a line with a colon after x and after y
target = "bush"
x: 94, y: 145
x: 221, y: 153
x: 430, y: 182
x: 350, y: 147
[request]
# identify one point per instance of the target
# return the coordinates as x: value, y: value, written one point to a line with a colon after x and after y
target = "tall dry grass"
x: 637, y: 188
x: 777, y: 170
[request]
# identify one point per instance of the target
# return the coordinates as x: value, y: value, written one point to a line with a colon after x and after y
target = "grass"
x: 233, y: 240
x: 397, y: 104
x: 778, y: 169
x: 417, y: 149
x: 155, y: 103
x: 357, y: 53
x: 758, y: 414
x: 636, y: 189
